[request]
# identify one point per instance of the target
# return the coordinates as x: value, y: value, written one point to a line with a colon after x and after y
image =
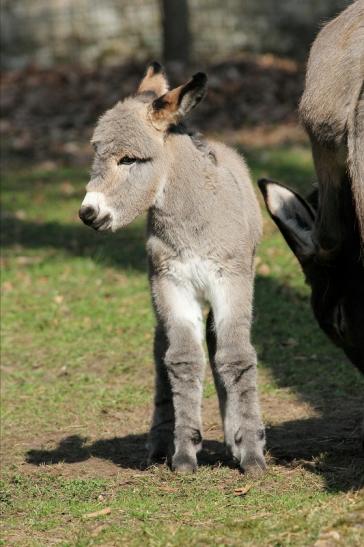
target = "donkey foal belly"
x: 200, y: 281
x: 197, y: 275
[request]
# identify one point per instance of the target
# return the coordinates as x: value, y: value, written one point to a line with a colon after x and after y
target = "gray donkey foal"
x: 204, y: 224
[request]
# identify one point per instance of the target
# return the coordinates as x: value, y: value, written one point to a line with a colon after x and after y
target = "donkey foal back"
x: 203, y: 227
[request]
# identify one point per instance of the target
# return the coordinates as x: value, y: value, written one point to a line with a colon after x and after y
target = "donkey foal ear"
x: 192, y: 93
x: 292, y: 214
x: 154, y: 81
x: 174, y: 105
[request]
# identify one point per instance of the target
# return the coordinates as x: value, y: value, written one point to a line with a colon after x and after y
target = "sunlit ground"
x: 78, y: 386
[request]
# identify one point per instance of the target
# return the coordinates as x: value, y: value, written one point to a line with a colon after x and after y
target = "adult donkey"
x: 204, y: 224
x: 328, y: 237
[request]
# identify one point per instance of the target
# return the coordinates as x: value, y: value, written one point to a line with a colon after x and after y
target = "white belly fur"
x: 195, y: 281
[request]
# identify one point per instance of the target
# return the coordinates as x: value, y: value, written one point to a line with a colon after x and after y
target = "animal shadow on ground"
x: 301, y: 359
x: 316, y: 444
x: 128, y: 452
x: 327, y: 444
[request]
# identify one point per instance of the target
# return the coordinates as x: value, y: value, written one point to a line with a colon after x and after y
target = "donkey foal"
x: 203, y: 227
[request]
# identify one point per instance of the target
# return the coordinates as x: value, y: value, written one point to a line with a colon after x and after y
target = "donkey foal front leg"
x: 180, y: 369
x: 185, y: 364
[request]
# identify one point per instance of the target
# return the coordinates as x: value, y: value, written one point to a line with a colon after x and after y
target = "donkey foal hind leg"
x: 160, y: 442
x: 211, y: 346
x: 235, y: 363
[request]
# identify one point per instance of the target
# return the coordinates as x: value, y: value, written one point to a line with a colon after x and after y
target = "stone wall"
x: 47, y: 32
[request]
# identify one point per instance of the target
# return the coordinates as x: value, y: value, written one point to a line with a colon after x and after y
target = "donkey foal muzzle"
x: 89, y: 215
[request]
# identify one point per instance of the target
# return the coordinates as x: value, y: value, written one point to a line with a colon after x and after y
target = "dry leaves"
x: 243, y: 490
x: 95, y: 514
x: 168, y: 489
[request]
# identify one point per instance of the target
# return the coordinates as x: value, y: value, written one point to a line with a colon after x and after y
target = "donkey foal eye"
x: 126, y: 160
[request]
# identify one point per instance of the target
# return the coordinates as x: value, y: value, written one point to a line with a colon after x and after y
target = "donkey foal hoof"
x: 253, y: 465
x: 159, y: 447
x: 156, y: 459
x: 158, y: 455
x: 184, y: 464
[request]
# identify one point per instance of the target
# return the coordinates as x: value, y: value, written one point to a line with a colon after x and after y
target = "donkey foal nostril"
x: 87, y: 214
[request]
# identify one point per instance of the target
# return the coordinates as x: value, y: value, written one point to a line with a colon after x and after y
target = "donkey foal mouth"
x: 102, y: 224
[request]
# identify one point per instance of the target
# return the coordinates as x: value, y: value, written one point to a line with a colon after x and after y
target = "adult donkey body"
x: 328, y: 236
x: 203, y: 227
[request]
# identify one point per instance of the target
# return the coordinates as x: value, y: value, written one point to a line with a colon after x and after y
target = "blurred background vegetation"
x: 47, y: 32
x: 65, y: 61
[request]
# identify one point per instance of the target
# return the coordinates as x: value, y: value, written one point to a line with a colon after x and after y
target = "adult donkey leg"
x: 160, y: 442
x: 235, y: 362
x: 181, y: 315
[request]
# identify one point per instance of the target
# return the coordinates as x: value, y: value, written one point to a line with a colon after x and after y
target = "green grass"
x: 77, y: 391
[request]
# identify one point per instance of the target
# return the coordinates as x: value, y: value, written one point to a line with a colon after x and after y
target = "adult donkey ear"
x: 154, y: 81
x: 171, y: 107
x: 292, y: 214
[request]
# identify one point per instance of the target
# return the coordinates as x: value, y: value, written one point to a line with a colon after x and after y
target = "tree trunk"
x: 176, y: 31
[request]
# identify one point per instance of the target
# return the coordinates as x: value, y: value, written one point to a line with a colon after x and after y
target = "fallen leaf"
x: 213, y: 426
x: 105, y: 511
x: 243, y: 490
x: 168, y: 489
x: 58, y: 299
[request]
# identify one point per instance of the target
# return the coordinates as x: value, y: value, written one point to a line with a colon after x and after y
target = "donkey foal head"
x: 132, y: 158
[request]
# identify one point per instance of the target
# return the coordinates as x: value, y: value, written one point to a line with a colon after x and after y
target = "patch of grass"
x: 77, y: 391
